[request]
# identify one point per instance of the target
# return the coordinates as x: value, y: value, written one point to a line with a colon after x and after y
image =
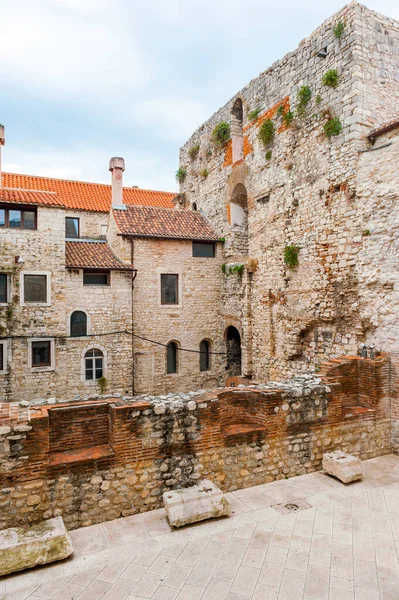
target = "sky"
x: 84, y: 80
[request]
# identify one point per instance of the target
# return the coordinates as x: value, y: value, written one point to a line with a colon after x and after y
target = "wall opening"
x: 236, y: 130
x: 239, y: 205
x: 233, y: 349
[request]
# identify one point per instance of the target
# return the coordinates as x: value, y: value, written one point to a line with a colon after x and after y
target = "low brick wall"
x: 110, y: 458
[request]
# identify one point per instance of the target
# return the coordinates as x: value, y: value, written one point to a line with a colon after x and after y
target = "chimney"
x: 2, y: 142
x: 117, y: 166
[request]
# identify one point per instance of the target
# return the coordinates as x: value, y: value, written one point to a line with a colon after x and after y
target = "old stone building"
x: 74, y: 294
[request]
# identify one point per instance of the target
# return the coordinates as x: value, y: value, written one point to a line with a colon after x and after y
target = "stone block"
x: 40, y: 544
x: 196, y: 503
x: 343, y: 466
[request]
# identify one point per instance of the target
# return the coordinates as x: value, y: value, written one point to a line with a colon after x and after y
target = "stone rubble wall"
x: 139, y: 448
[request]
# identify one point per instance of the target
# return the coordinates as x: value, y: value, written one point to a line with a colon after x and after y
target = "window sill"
x: 80, y: 455
x: 35, y: 304
x: 41, y: 369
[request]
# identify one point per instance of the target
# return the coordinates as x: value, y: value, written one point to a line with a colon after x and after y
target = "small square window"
x: 41, y: 354
x: 35, y: 288
x: 204, y: 249
x: 95, y: 277
x: 3, y: 288
x: 71, y: 227
x: 169, y: 289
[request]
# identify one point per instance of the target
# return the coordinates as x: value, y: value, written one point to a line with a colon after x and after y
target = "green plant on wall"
x: 266, y: 132
x: 287, y: 118
x: 204, y: 173
x: 318, y: 99
x: 303, y: 97
x: 291, y: 256
x: 339, y: 30
x: 330, y: 78
x: 181, y: 174
x: 254, y: 114
x: 332, y: 127
x: 268, y: 155
x: 102, y: 382
x: 280, y: 110
x: 233, y: 268
x: 221, y: 133
x: 193, y: 152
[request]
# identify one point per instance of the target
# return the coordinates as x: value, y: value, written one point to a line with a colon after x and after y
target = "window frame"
x: 48, y: 288
x: 8, y: 288
x: 23, y: 208
x: 176, y: 276
x: 78, y: 310
x: 207, y: 244
x: 4, y: 366
x: 41, y: 368
x: 94, y: 346
x: 76, y: 237
x: 94, y: 272
x: 177, y: 358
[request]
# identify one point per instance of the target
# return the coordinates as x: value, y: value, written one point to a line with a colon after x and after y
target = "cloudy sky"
x: 84, y: 80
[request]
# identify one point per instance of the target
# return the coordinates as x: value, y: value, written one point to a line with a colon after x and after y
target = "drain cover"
x: 291, y: 506
x: 288, y: 507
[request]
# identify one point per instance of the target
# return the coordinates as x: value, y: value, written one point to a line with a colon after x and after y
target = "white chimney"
x: 117, y: 166
x: 2, y: 142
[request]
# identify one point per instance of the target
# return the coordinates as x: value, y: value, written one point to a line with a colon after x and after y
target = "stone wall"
x: 103, y: 459
x: 316, y: 193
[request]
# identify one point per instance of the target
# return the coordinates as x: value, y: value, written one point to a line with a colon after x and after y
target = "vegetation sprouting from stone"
x: 221, y: 133
x: 318, y: 99
x: 254, y: 114
x: 280, y: 110
x: 204, y: 173
x: 287, y: 118
x: 181, y: 174
x: 193, y: 152
x: 266, y: 132
x: 366, y: 232
x: 233, y: 268
x: 291, y: 256
x: 268, y: 155
x: 332, y: 127
x: 339, y: 30
x: 304, y: 95
x: 330, y: 78
x: 102, y: 382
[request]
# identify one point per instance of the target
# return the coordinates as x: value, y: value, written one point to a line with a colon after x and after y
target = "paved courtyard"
x: 344, y: 547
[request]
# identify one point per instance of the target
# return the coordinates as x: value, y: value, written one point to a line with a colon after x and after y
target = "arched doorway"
x: 233, y: 349
x: 239, y: 205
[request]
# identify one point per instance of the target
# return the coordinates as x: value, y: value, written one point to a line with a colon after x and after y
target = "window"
x: 169, y: 289
x: 204, y: 249
x: 71, y: 227
x: 41, y: 354
x: 95, y: 277
x: 18, y: 217
x: 3, y: 288
x: 94, y: 364
x: 104, y: 230
x: 78, y: 323
x: 205, y: 362
x: 3, y: 356
x: 171, y: 357
x: 35, y: 288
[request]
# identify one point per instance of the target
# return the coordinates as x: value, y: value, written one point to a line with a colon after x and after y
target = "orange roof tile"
x: 29, y: 197
x: 81, y: 195
x: 92, y: 255
x: 150, y: 222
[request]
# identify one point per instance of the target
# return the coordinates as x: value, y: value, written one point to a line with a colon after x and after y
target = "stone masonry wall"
x: 103, y: 459
x: 315, y: 193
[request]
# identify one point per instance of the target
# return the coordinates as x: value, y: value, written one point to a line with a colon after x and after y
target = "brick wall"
x: 100, y: 460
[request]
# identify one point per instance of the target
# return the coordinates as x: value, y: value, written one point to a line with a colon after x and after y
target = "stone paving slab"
x: 345, y: 547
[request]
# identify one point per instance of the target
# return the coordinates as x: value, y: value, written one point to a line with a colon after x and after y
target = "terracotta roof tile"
x: 146, y: 221
x: 92, y: 255
x: 30, y: 197
x: 81, y: 195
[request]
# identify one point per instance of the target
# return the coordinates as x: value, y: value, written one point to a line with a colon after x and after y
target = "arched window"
x: 94, y: 364
x: 239, y: 205
x: 171, y: 357
x: 233, y: 347
x: 78, y: 323
x: 205, y: 355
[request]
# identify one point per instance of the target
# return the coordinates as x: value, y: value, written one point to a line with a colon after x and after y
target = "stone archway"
x: 233, y: 350
x: 239, y: 205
